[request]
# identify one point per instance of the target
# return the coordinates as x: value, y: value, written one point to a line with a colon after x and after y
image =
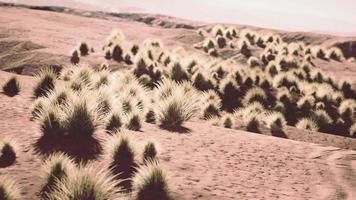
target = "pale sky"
x: 332, y: 16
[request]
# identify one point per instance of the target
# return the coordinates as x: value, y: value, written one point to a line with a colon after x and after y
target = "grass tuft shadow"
x: 177, y: 129
x: 279, y: 133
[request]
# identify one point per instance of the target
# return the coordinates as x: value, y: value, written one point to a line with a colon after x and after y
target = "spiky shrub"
x: 230, y: 93
x: 307, y: 124
x: 221, y: 41
x: 134, y: 49
x: 275, y: 121
x: 177, y: 72
x: 87, y: 182
x: 141, y: 67
x: 201, y: 82
x: 209, y: 44
x: 134, y: 121
x: 211, y: 110
x: 213, y: 52
x: 227, y: 121
x: 113, y: 122
x: 74, y: 59
x: 57, y: 167
x: 252, y: 123
x: 51, y: 122
x: 149, y: 151
x: 176, y: 105
x: 11, y: 87
x: 218, y: 30
x: 272, y: 68
x: 335, y: 53
x: 253, y: 62
x: 346, y: 88
x: 347, y: 110
x: 84, y: 48
x: 7, y: 153
x: 150, y: 182
x: 121, y: 153
x: 37, y: 107
x: 150, y: 116
x: 244, y: 48
x: 45, y: 82
x: 255, y: 94
x: 320, y: 52
x: 352, y: 130
x: 9, y: 190
x: 80, y: 117
x: 117, y: 53
x: 305, y: 104
x: 323, y: 119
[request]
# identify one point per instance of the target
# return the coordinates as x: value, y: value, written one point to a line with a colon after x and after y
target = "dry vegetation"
x: 280, y: 86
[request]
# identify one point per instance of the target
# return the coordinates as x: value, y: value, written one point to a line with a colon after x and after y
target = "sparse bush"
x: 87, y: 183
x: 45, y: 82
x: 7, y: 154
x: 255, y: 94
x: 121, y: 153
x: 221, y: 41
x: 57, y: 168
x: 9, y: 190
x: 307, y: 124
x: 149, y: 152
x: 275, y: 121
x: 11, y: 87
x: 177, y: 104
x: 150, y: 182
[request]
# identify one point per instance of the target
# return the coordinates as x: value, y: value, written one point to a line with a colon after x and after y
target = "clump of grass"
x: 74, y: 59
x: 84, y: 48
x: 117, y: 53
x: 352, y: 130
x: 218, y: 30
x: 347, y: 109
x: 227, y: 121
x: 335, y: 53
x: 213, y: 52
x: 150, y: 116
x: 307, y: 124
x: 346, y: 88
x: 149, y: 152
x: 121, y: 153
x: 208, y: 44
x: 150, y: 182
x: 178, y: 73
x: 87, y: 182
x: 7, y: 154
x: 45, y: 82
x: 57, y: 168
x: 9, y: 189
x: 253, y: 62
x: 221, y: 41
x: 11, y: 87
x: 176, y: 104
x: 134, y: 121
x: 252, y: 123
x: 51, y: 122
x: 305, y: 104
x: 114, y: 122
x: 255, y: 94
x: 275, y: 121
x: 243, y: 45
x: 230, y: 93
x: 320, y: 52
x: 201, y: 82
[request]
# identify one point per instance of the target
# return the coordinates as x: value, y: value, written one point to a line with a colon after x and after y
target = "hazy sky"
x: 335, y: 16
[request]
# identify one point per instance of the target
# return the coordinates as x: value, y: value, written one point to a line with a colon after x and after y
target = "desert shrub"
x: 178, y: 73
x: 287, y: 80
x: 37, y: 106
x: 9, y: 190
x: 272, y: 69
x: 80, y: 117
x: 320, y: 52
x: 347, y: 110
x: 323, y: 119
x: 149, y: 152
x: 117, y: 53
x: 176, y: 104
x: 255, y: 94
x: 227, y: 121
x: 7, y: 154
x: 252, y: 123
x: 335, y: 53
x: 275, y: 121
x: 57, y: 167
x: 201, y: 82
x: 84, y: 48
x: 51, y: 122
x: 244, y: 48
x: 253, y: 62
x: 127, y: 57
x: 150, y: 116
x: 346, y: 88
x: 74, y: 59
x: 260, y: 42
x: 305, y: 104
x: 221, y: 41
x: 87, y: 182
x: 134, y: 121
x: 210, y: 110
x: 280, y: 107
x: 307, y: 124
x: 213, y: 52
x: 114, y: 122
x: 352, y: 130
x: 134, y: 49
x: 11, y: 87
x: 150, y: 182
x: 218, y: 30
x: 141, y: 67
x: 208, y: 44
x: 288, y: 63
x: 230, y: 94
x: 45, y: 82
x: 121, y: 153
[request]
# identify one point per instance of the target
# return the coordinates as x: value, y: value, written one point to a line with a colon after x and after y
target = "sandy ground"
x: 205, y: 163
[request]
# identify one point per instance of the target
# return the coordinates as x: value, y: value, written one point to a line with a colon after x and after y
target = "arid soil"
x: 206, y: 162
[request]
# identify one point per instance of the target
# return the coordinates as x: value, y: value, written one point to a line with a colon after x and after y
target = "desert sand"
x: 206, y: 162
